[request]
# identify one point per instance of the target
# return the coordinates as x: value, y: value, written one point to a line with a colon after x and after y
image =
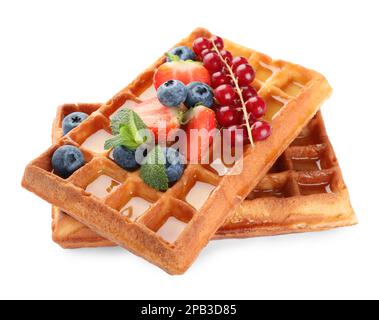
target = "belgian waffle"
x: 304, y: 191
x: 293, y: 95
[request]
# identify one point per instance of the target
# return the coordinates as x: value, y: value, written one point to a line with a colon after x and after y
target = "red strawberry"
x: 204, y: 119
x: 154, y: 114
x: 184, y: 71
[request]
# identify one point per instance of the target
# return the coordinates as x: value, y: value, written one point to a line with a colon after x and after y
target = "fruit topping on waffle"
x: 72, y: 121
x: 155, y: 116
x: 239, y: 106
x: 186, y: 100
x: 162, y: 168
x: 66, y: 160
x: 200, y: 126
x: 184, y: 71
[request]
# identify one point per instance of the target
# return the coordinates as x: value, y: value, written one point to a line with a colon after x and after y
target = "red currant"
x: 240, y: 119
x: 219, y: 79
x: 227, y: 56
x: 238, y: 135
x: 225, y: 94
x: 212, y: 62
x: 256, y: 107
x: 248, y: 92
x: 237, y: 61
x: 261, y: 130
x: 201, y: 44
x: 236, y: 104
x: 204, y: 53
x: 226, y: 117
x: 245, y: 74
x: 218, y: 42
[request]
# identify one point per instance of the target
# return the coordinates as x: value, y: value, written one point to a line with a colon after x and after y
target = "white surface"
x: 69, y: 51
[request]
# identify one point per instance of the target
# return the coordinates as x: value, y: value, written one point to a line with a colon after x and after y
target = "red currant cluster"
x: 231, y: 81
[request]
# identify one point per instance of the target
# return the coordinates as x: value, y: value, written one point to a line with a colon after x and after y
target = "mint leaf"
x: 172, y: 57
x: 113, y: 142
x: 153, y: 170
x: 126, y: 125
x: 124, y: 117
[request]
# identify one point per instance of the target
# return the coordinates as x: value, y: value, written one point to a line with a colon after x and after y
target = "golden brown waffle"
x: 293, y: 94
x: 303, y: 191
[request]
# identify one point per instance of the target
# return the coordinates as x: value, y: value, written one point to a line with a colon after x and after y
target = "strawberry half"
x: 153, y: 114
x: 184, y: 71
x: 203, y: 120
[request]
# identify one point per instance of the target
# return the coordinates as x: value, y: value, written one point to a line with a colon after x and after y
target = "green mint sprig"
x: 125, y: 126
x: 175, y: 58
x: 172, y: 57
x: 153, y: 170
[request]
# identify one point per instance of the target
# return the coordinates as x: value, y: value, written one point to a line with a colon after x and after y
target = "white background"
x: 52, y: 52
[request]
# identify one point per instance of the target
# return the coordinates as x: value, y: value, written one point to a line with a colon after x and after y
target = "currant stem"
x: 239, y: 92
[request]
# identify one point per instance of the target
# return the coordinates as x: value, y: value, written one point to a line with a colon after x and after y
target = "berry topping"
x: 162, y: 168
x: 261, y: 130
x: 201, y: 44
x: 125, y: 158
x: 184, y: 53
x: 72, y: 121
x: 237, y: 103
x: 227, y: 56
x: 174, y: 165
x: 245, y: 74
x: 213, y: 62
x: 172, y: 93
x: 225, y: 94
x: 184, y: 71
x: 219, y: 79
x: 218, y: 42
x: 199, y: 93
x: 201, y: 122
x: 237, y: 61
x: 204, y: 53
x: 248, y: 92
x: 153, y: 114
x: 66, y: 160
x: 238, y: 135
x: 256, y: 107
x: 227, y: 116
x: 128, y: 123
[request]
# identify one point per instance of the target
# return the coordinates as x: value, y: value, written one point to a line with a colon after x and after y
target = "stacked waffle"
x: 290, y: 182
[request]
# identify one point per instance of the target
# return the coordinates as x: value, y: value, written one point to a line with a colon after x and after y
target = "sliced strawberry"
x: 184, y: 71
x: 154, y: 115
x: 203, y: 120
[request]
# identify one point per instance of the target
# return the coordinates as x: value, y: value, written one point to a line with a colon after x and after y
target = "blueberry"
x: 66, y: 160
x: 199, y: 93
x: 184, y: 53
x: 172, y: 93
x: 72, y: 121
x: 125, y: 158
x: 174, y: 165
